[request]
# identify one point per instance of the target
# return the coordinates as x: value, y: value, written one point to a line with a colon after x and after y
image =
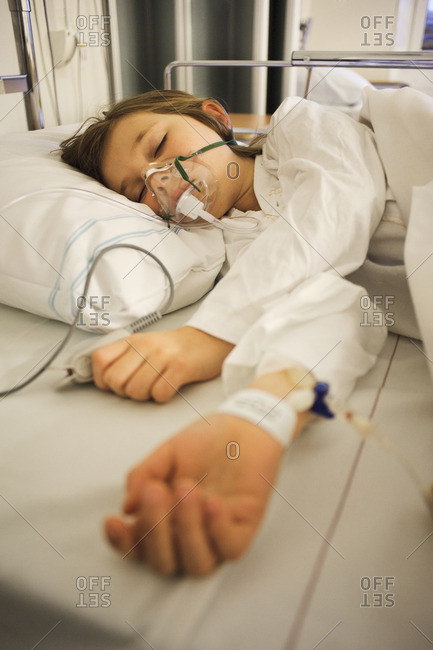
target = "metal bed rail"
x: 27, y: 81
x: 313, y: 59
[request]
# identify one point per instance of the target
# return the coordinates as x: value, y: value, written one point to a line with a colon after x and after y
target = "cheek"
x: 224, y: 196
x: 151, y: 203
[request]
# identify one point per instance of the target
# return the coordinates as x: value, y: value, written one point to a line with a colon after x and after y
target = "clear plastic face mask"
x: 170, y: 181
x: 168, y: 185
x: 186, y: 192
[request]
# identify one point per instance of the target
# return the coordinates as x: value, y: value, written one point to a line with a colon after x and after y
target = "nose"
x: 160, y: 180
x: 157, y: 178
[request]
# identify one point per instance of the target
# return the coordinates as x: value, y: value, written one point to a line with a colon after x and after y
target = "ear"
x: 216, y: 110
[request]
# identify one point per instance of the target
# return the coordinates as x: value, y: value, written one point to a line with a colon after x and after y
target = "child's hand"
x: 155, y: 365
x: 199, y: 498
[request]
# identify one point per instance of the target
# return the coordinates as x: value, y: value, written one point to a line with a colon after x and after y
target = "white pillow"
x: 48, y: 241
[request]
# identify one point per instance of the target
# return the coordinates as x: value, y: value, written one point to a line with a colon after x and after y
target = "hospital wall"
x: 371, y: 25
x: 143, y: 32
x: 81, y: 82
x: 224, y: 29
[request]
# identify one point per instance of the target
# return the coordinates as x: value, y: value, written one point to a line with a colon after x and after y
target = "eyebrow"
x: 136, y: 142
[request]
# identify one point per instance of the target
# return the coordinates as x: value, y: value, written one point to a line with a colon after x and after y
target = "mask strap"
x: 178, y: 159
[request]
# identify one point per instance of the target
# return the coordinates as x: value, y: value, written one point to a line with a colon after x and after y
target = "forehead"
x: 124, y: 134
x: 127, y: 130
x: 127, y: 124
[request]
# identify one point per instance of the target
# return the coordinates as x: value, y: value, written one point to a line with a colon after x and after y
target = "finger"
x: 229, y: 535
x: 103, y: 357
x: 196, y: 556
x: 159, y: 377
x: 178, y: 372
x: 166, y: 386
x: 140, y: 386
x: 153, y: 528
x: 162, y: 375
x: 117, y: 375
x: 120, y: 535
x: 159, y: 465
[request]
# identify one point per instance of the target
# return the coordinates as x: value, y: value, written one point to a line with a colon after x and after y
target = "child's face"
x: 141, y: 138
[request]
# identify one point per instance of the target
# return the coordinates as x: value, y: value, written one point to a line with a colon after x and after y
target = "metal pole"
x: 320, y: 59
x: 363, y: 59
x: 20, y: 14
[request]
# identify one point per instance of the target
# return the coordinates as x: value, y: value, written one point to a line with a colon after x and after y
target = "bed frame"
x: 27, y: 81
x: 305, y: 59
x: 323, y: 59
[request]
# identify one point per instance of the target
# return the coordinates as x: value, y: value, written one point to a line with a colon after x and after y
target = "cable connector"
x: 320, y: 407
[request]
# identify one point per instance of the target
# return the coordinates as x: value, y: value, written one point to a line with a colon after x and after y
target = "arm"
x: 196, y: 502
x: 322, y: 326
x: 331, y: 197
x: 321, y: 175
x: 155, y: 365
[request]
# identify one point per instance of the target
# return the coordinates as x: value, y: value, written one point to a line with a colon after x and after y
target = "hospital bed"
x: 344, y: 558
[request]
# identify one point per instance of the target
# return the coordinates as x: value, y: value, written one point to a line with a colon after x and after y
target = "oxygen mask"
x: 185, y: 188
x: 175, y: 187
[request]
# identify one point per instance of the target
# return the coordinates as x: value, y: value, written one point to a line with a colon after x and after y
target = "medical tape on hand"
x: 265, y: 410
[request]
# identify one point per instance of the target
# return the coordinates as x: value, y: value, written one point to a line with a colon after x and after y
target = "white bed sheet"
x: 343, y: 514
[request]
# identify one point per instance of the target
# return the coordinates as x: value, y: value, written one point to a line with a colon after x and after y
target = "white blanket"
x: 403, y: 123
x: 324, y: 179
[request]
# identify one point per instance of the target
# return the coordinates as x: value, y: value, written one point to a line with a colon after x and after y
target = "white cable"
x: 137, y: 325
x: 189, y: 206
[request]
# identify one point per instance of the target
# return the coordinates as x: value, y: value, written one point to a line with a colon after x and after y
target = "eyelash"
x: 157, y: 151
x: 159, y: 147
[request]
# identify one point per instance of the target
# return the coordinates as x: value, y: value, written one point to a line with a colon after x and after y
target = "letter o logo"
x: 232, y: 446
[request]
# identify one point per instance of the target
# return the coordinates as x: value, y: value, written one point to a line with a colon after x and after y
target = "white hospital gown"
x: 321, y: 188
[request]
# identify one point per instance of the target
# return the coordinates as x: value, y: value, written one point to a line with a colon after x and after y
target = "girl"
x: 282, y: 314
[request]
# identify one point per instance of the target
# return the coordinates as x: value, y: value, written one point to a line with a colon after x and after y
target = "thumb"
x: 159, y: 465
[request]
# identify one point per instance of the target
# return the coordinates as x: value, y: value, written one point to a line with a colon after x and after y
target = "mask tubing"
x: 189, y: 206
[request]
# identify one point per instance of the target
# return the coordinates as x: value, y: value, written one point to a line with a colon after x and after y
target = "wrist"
x: 201, y: 336
x: 283, y: 385
x: 282, y: 382
x: 278, y: 402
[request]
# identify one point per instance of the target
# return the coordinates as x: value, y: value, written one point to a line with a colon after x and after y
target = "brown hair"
x: 85, y: 149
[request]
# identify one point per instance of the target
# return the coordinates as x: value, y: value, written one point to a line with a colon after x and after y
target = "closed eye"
x: 158, y: 150
x: 160, y: 147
